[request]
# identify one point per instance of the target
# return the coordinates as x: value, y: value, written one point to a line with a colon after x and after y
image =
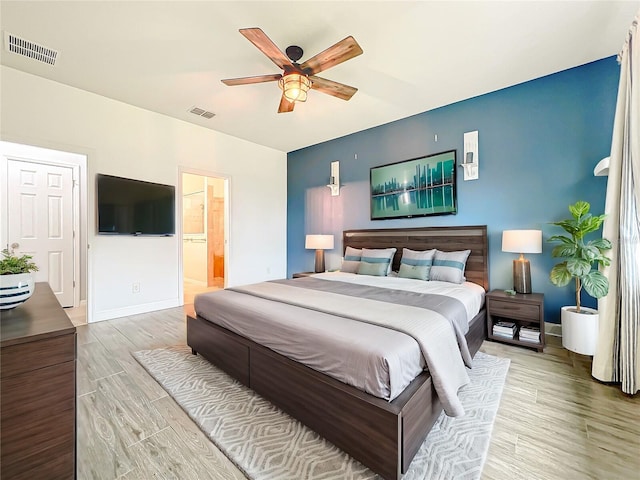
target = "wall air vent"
x: 29, y: 49
x: 201, y: 112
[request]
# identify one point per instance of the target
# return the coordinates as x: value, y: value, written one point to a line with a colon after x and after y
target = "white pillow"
x: 449, y: 266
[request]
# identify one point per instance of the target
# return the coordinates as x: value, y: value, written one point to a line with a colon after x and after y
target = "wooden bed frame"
x: 384, y: 436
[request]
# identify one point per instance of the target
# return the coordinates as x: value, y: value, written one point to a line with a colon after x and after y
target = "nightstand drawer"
x: 514, y: 310
x: 525, y: 310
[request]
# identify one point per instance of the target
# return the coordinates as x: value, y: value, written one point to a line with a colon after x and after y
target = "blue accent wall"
x: 538, y: 144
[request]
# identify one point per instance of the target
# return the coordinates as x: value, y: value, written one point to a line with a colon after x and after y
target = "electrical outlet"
x: 135, y: 287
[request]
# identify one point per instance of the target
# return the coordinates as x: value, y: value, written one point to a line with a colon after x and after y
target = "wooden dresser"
x: 38, y: 390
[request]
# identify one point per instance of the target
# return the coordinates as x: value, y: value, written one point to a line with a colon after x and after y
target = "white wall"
x: 123, y: 140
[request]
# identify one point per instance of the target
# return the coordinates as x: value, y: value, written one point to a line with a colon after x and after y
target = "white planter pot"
x: 15, y: 289
x: 579, y: 330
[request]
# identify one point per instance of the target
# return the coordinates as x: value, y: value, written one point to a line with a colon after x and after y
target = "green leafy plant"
x: 13, y: 264
x: 581, y: 256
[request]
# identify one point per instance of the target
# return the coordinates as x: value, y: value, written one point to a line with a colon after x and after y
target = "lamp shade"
x: 522, y: 241
x: 295, y: 86
x: 319, y: 242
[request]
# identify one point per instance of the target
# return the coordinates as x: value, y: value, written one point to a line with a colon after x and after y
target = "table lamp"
x: 522, y: 241
x: 319, y: 243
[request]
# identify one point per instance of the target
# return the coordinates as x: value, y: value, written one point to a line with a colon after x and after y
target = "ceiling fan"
x: 296, y: 79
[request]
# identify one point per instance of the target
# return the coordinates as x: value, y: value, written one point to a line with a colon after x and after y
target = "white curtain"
x: 617, y: 357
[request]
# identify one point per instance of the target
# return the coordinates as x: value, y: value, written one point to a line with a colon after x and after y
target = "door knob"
x: 15, y: 245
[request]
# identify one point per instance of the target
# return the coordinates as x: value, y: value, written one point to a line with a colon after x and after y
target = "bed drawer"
x: 520, y: 311
x: 223, y: 348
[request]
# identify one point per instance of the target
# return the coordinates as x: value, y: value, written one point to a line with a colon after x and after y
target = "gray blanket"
x: 450, y: 308
x: 437, y: 336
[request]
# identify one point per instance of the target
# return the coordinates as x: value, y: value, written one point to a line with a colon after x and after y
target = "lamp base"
x: 522, y: 276
x: 319, y: 261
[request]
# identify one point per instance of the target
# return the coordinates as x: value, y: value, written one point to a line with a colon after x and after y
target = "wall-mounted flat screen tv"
x: 414, y: 188
x: 134, y: 207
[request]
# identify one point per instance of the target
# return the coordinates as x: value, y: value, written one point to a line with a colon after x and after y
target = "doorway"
x: 204, y: 243
x: 44, y: 215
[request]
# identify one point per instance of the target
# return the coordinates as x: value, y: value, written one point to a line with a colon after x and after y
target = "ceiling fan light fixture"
x: 295, y: 86
x: 296, y: 79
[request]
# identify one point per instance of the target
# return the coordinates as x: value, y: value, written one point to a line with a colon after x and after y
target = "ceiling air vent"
x: 29, y: 49
x: 201, y: 112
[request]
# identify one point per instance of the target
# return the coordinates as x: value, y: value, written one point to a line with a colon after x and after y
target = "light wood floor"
x: 555, y: 421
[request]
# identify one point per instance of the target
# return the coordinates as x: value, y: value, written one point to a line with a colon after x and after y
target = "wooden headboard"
x: 446, y: 239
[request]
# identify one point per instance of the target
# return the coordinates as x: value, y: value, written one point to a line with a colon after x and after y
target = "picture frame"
x: 417, y: 187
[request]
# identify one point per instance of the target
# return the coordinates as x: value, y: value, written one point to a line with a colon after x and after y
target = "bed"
x: 383, y: 435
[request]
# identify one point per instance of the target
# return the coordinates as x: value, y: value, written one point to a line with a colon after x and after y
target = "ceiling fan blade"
x: 266, y: 46
x: 248, y: 80
x: 332, y: 56
x: 340, y: 90
x: 285, y: 105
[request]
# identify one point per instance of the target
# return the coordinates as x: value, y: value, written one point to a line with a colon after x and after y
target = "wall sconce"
x: 470, y: 158
x: 522, y: 241
x: 320, y: 243
x: 334, y: 179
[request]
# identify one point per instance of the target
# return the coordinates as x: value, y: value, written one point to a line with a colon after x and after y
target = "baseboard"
x: 552, y: 329
x: 135, y: 310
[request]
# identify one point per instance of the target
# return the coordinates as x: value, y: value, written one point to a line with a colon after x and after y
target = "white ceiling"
x: 170, y: 56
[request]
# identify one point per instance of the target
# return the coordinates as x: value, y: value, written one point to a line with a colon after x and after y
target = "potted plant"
x: 580, y: 324
x: 16, y: 279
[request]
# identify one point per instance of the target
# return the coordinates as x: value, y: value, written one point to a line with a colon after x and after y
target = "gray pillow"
x: 416, y: 264
x: 351, y: 260
x: 382, y: 256
x: 449, y: 266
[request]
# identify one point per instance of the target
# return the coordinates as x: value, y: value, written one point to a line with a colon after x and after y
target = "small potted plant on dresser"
x: 16, y: 279
x: 580, y: 324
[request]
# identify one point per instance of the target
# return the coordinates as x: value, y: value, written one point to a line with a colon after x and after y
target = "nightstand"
x: 523, y: 310
x: 303, y: 274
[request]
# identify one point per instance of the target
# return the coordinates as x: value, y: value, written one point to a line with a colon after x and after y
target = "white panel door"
x: 40, y: 211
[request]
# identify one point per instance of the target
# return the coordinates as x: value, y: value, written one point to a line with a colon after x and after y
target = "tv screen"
x: 134, y: 207
x: 414, y: 188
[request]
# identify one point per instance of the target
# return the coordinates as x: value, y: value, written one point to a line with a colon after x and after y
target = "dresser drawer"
x: 37, y: 390
x: 55, y: 463
x: 520, y: 311
x: 39, y: 393
x: 25, y: 357
x: 30, y: 435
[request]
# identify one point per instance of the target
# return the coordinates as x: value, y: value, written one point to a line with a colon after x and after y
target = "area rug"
x: 267, y: 444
